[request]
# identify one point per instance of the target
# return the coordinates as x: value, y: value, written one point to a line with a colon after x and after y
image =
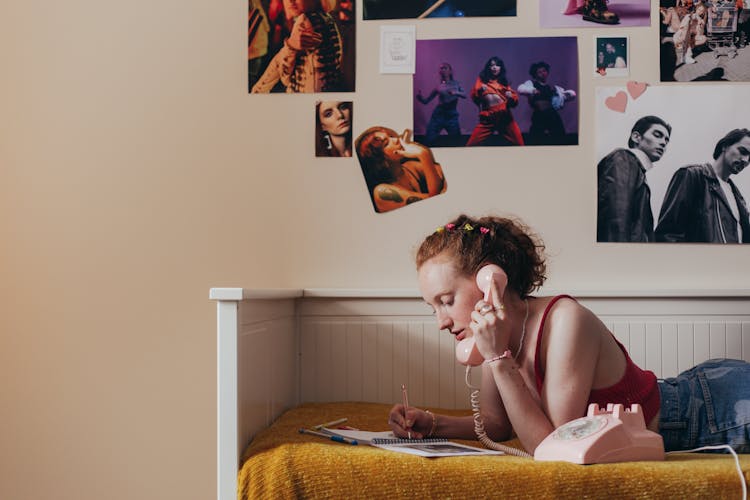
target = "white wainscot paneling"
x: 367, y: 359
x: 364, y: 349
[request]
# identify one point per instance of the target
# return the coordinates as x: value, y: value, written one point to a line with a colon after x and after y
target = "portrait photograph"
x: 666, y: 174
x: 496, y: 92
x: 398, y: 171
x: 333, y: 129
x: 704, y: 40
x: 611, y: 56
x: 301, y: 46
x: 423, y: 9
x: 594, y: 13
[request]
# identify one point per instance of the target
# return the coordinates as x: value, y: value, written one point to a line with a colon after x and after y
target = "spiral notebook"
x: 432, y: 447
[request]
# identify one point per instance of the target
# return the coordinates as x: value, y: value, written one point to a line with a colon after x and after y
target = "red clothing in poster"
x: 497, y: 117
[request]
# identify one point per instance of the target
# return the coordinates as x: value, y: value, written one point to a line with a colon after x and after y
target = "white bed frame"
x: 277, y: 348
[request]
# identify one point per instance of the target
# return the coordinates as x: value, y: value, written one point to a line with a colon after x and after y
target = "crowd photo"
x: 704, y: 40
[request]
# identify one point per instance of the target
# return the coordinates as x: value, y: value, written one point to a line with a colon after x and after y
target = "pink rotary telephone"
x: 603, y: 436
x: 466, y: 350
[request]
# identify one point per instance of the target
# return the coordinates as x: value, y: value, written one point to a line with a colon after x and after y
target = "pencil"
x: 330, y: 424
x: 406, y: 405
x: 338, y: 439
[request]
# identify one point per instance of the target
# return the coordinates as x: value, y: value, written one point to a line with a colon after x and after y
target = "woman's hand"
x: 409, y: 149
x: 415, y: 424
x: 303, y: 37
x: 488, y: 324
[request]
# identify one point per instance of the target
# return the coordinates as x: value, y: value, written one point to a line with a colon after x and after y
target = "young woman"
x: 445, y: 114
x: 547, y: 358
x: 397, y: 170
x: 495, y: 98
x: 333, y: 128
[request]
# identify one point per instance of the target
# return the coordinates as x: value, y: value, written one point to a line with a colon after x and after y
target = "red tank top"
x: 635, y: 386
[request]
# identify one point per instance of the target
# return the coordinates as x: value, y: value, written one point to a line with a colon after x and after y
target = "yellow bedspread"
x: 281, y: 463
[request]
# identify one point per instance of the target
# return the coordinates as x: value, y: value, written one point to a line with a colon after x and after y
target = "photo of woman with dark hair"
x: 333, y: 128
x: 495, y: 98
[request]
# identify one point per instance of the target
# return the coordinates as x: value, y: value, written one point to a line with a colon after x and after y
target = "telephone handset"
x: 466, y: 350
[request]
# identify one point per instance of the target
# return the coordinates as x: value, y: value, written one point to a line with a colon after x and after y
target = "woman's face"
x: 445, y: 72
x: 335, y: 117
x: 389, y: 144
x: 495, y: 68
x: 451, y: 294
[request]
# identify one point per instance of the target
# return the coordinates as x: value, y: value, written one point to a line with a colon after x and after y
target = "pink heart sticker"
x: 635, y: 89
x: 617, y: 102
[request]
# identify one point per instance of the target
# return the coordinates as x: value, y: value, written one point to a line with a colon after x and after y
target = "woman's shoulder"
x: 562, y: 310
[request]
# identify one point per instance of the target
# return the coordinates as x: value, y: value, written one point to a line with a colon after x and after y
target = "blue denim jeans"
x: 706, y: 405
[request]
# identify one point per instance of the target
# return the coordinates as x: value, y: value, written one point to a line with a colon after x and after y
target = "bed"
x: 291, y: 358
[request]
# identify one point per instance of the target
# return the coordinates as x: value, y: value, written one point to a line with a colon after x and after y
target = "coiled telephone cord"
x: 479, y: 425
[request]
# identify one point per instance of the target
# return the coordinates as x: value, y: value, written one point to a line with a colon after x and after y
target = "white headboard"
x: 277, y: 348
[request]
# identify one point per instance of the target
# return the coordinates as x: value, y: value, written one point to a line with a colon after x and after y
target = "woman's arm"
x: 426, y: 100
x: 477, y: 91
x: 421, y: 424
x: 390, y: 196
x: 419, y: 159
x: 569, y: 355
x: 458, y: 91
x: 511, y: 96
x: 527, y: 88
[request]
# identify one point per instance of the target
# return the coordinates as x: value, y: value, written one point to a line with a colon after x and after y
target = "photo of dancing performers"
x: 333, y: 128
x: 503, y: 106
x: 311, y: 46
x: 594, y: 13
x: 421, y: 9
x: 704, y: 40
x: 445, y: 114
x: 397, y: 170
x: 546, y: 100
x: 699, y: 184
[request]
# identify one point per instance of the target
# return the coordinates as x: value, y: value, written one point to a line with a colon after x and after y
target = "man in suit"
x: 624, y: 198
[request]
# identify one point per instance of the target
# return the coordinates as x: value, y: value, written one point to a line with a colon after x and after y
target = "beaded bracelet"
x: 506, y: 354
x: 434, y: 424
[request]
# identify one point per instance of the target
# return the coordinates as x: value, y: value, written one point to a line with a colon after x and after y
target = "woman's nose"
x: 444, y: 322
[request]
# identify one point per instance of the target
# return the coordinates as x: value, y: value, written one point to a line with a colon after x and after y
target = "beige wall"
x: 136, y: 173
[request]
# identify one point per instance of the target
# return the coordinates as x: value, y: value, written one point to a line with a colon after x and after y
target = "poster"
x: 458, y: 102
x: 423, y: 9
x: 690, y: 204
